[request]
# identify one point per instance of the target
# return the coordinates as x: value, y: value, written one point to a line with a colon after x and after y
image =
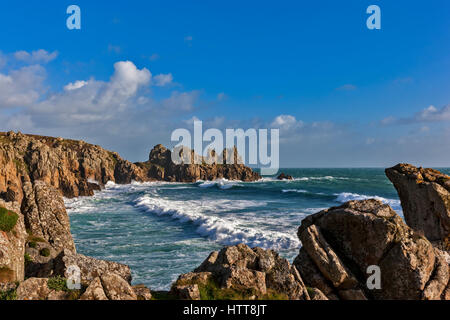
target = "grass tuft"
x: 8, y: 219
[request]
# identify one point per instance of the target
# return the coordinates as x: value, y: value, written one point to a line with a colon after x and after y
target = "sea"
x: 162, y: 230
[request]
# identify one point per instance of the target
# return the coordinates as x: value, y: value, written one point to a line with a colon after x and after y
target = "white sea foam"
x: 294, y: 190
x: 348, y: 196
x: 223, y: 184
x: 227, y: 230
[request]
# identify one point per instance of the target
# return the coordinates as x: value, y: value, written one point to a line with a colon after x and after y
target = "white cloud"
x: 432, y: 114
x: 89, y: 101
x: 191, y: 120
x: 286, y: 122
x: 180, y: 101
x: 22, y: 87
x: 75, y: 85
x: 429, y: 114
x: 37, y: 56
x: 2, y: 60
x: 388, y: 120
x: 162, y: 80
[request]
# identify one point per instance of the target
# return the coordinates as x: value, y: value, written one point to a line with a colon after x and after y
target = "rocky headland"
x: 37, y: 252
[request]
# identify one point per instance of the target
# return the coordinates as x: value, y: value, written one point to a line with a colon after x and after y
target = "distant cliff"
x: 78, y: 168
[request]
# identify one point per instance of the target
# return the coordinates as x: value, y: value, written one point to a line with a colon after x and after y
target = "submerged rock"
x: 425, y: 198
x: 284, y: 176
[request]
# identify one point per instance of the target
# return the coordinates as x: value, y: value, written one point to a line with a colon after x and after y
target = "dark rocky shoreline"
x: 37, y: 251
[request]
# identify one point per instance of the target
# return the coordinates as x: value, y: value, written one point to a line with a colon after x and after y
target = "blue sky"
x: 346, y: 95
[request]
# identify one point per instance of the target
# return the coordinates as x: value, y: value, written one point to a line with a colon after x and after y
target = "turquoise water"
x: 164, y: 229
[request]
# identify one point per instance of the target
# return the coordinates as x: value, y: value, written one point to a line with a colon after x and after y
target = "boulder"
x: 425, y: 198
x: 33, y: 289
x: 90, y: 268
x: 245, y: 273
x: 316, y: 294
x: 94, y: 291
x: 342, y: 242
x: 116, y: 288
x: 142, y: 292
x: 186, y: 292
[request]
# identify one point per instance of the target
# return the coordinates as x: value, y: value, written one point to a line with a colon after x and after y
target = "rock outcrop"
x: 12, y: 243
x: 161, y: 167
x: 425, y: 198
x: 46, y: 216
x: 90, y: 267
x: 284, y: 176
x: 244, y: 273
x: 340, y: 243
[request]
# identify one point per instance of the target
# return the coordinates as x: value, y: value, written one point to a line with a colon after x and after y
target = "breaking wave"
x: 348, y: 196
x: 227, y: 231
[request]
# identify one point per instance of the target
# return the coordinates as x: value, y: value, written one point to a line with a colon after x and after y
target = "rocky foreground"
x: 339, y: 245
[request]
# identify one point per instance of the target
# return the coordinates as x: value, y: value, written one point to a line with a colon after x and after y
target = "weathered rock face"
x: 12, y: 246
x: 110, y: 286
x: 46, y: 216
x: 251, y: 273
x: 160, y: 167
x: 90, y: 268
x: 425, y: 198
x: 340, y: 243
x: 33, y: 289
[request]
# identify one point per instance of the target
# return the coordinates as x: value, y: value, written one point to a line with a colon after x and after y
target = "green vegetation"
x: 8, y: 295
x: 27, y: 258
x: 32, y: 238
x: 162, y: 295
x: 45, y: 252
x: 212, y: 291
x: 32, y: 244
x: 310, y: 290
x: 8, y: 219
x: 57, y: 283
